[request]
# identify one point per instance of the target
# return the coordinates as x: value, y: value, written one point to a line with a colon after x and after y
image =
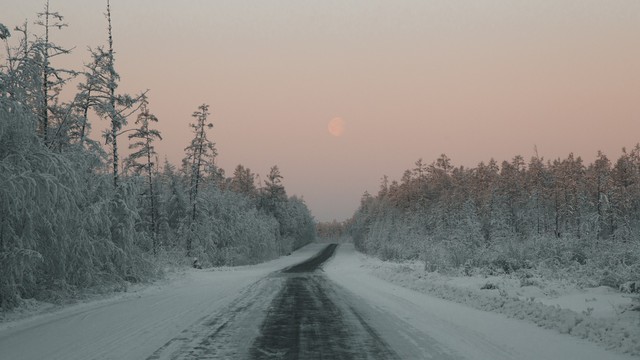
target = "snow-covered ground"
x: 601, y: 314
x: 133, y: 325
x: 222, y: 310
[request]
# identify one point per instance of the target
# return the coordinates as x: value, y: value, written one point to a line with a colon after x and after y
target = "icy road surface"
x: 328, y: 307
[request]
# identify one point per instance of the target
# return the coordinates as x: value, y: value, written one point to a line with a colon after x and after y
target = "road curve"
x: 314, y: 262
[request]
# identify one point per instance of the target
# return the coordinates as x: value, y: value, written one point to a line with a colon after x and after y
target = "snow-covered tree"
x: 510, y: 217
x: 100, y: 94
x: 52, y: 79
x: 200, y: 155
x: 141, y: 160
x: 244, y: 181
x: 21, y: 74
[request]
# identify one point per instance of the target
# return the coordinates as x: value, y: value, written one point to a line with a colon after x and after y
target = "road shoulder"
x: 469, y: 332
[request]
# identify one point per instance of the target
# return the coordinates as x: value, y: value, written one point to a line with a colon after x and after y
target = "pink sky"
x: 410, y: 79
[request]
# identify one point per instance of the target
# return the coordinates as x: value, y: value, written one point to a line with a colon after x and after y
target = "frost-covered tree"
x: 174, y: 204
x: 244, y: 182
x: 273, y: 196
x: 65, y: 227
x: 296, y: 226
x: 200, y: 155
x: 58, y: 230
x: 273, y: 192
x: 101, y: 84
x: 52, y: 79
x: 30, y: 78
x: 554, y: 213
x: 4, y: 32
x: 141, y: 160
x: 599, y: 178
x: 21, y: 73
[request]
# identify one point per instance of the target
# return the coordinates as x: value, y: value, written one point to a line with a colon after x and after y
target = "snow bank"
x: 134, y: 324
x: 31, y: 310
x: 601, y: 314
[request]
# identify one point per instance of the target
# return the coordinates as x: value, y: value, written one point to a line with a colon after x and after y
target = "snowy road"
x: 306, y: 317
x: 261, y: 312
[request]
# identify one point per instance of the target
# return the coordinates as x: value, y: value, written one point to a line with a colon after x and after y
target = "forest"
x: 76, y: 214
x: 562, y: 216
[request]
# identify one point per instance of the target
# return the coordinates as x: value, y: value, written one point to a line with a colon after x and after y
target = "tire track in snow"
x: 221, y: 334
x: 309, y: 320
x: 296, y: 313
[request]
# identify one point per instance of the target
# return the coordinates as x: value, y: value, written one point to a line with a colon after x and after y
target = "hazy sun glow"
x: 336, y: 126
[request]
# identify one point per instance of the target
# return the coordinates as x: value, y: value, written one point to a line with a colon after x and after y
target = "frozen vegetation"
x: 601, y: 314
x: 75, y: 218
x: 563, y: 218
x: 555, y: 242
x: 221, y: 313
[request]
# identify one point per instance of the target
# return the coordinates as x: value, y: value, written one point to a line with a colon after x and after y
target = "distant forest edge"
x: 73, y: 215
x: 563, y: 217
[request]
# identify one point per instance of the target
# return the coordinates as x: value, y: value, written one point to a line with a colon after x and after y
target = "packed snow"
x: 602, y: 315
x: 150, y: 322
x: 134, y: 325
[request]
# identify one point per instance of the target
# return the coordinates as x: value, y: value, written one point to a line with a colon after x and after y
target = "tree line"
x: 74, y: 215
x: 560, y: 214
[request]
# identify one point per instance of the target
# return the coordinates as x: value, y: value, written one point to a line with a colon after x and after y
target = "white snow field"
x: 459, y: 331
x: 135, y: 326
x: 601, y: 314
x: 223, y: 309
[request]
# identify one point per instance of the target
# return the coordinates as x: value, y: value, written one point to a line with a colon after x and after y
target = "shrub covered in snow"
x: 619, y: 330
x: 564, y: 216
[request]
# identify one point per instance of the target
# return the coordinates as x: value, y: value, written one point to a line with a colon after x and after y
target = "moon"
x: 336, y: 127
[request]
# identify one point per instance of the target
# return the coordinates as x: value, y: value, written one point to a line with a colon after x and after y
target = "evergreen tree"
x: 200, y: 155
x: 244, y: 181
x: 21, y: 75
x: 273, y: 193
x: 52, y: 79
x: 101, y: 84
x: 141, y: 161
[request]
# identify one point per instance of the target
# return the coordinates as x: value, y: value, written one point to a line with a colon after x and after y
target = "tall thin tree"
x: 199, y: 155
x: 51, y: 79
x: 99, y: 93
x: 141, y: 160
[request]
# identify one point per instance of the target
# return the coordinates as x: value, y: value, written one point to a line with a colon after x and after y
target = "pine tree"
x: 599, y: 174
x: 141, y: 160
x: 21, y: 75
x: 273, y: 192
x: 176, y: 204
x: 101, y: 84
x: 200, y: 155
x: 52, y: 79
x: 243, y: 181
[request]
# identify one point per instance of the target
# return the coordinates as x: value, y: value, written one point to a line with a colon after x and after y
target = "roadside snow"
x: 133, y: 325
x: 31, y: 310
x: 457, y: 313
x: 599, y: 302
x: 158, y: 318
